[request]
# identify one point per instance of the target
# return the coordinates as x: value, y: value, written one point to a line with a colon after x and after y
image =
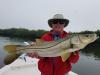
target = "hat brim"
x: 50, y: 22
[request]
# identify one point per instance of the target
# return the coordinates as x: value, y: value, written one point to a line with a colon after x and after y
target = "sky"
x: 34, y: 14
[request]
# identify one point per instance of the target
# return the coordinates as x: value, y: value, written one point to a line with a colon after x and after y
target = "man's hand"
x: 33, y: 55
x: 33, y: 43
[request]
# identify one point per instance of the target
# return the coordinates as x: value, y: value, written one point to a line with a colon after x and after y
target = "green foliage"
x: 33, y: 34
x: 86, y: 32
x: 98, y: 32
x: 22, y: 33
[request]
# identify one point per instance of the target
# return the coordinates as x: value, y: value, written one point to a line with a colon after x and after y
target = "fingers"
x: 33, y: 55
x: 30, y: 54
x: 33, y: 43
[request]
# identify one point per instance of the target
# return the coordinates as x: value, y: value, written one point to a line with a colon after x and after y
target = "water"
x: 2, y: 53
x: 88, y: 64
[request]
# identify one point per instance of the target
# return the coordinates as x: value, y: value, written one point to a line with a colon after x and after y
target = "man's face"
x: 58, y: 26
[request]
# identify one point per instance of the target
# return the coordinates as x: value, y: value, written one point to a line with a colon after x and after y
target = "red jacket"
x: 55, y: 65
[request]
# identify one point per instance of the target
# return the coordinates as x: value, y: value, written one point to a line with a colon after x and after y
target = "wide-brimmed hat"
x: 58, y: 17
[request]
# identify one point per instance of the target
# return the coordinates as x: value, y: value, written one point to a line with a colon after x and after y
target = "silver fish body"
x: 60, y: 47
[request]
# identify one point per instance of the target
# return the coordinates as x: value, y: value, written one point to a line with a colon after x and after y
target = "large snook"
x: 57, y: 48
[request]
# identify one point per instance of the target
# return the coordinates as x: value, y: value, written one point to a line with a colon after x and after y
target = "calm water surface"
x: 87, y: 64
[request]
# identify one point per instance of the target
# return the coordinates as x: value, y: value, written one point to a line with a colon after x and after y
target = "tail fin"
x: 10, y: 58
x: 11, y: 48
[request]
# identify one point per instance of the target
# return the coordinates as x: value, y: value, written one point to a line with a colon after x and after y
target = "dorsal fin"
x: 39, y: 41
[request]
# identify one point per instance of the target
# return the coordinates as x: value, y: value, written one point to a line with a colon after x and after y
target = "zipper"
x: 53, y: 65
x: 55, y: 37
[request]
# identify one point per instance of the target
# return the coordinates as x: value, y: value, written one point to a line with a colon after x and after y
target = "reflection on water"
x: 92, y: 49
x: 88, y: 64
x: 2, y: 53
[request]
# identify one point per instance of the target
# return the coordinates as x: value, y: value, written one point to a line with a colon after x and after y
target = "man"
x: 55, y: 65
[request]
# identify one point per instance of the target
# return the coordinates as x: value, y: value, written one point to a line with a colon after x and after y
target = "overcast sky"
x: 34, y: 14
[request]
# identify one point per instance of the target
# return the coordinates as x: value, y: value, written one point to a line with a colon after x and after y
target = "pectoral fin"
x: 39, y: 41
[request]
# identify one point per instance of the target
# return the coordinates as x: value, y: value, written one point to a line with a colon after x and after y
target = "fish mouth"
x: 95, y: 37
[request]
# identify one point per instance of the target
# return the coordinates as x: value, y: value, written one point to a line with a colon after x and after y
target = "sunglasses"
x: 58, y: 21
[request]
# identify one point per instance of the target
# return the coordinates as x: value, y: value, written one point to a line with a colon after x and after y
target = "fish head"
x: 88, y: 38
